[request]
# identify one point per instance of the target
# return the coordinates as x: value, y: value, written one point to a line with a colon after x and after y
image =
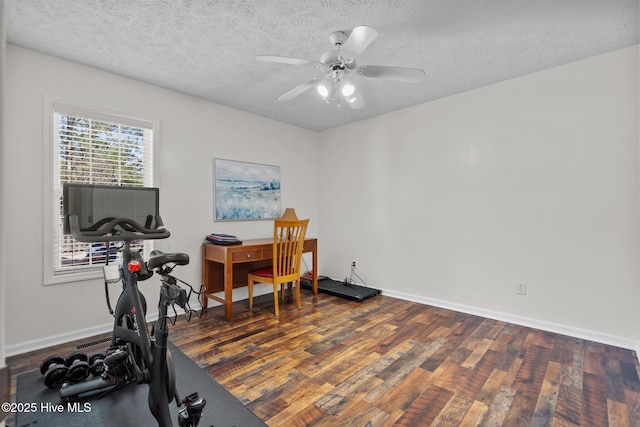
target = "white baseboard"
x: 27, y: 346
x: 37, y: 344
x: 523, y: 321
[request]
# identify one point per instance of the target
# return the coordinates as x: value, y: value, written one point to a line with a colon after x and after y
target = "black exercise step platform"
x: 341, y: 289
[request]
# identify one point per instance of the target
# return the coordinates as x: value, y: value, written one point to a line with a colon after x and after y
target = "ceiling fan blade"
x: 357, y: 42
x: 286, y: 60
x: 409, y: 75
x: 299, y: 89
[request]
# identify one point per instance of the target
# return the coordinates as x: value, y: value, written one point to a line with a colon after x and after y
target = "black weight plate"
x: 46, y: 363
x: 76, y: 355
x: 55, y: 376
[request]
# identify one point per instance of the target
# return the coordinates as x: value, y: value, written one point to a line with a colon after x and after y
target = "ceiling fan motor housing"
x: 331, y: 57
x: 337, y: 38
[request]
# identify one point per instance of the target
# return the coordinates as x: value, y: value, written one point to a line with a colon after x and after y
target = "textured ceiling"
x: 208, y: 48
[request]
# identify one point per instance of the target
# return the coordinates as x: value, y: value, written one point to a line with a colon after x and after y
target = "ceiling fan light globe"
x: 348, y: 89
x: 355, y: 101
x: 323, y: 91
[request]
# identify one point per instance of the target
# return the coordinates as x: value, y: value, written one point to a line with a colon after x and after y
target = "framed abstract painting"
x: 245, y: 191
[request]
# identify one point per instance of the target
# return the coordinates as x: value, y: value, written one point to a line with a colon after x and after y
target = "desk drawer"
x: 246, y: 256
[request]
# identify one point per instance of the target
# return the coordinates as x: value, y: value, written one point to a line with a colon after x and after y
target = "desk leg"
x: 204, y: 300
x: 228, y: 288
x: 315, y: 270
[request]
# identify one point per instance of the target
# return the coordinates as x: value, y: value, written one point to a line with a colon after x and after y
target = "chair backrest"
x: 288, y: 240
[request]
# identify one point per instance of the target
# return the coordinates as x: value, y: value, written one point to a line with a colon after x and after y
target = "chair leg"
x: 298, y: 302
x: 275, y: 299
x: 250, y: 286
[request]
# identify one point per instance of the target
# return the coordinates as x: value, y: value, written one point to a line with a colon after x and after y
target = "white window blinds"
x: 94, y: 148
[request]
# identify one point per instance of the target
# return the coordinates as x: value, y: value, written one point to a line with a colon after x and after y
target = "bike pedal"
x: 197, y: 406
x: 194, y: 404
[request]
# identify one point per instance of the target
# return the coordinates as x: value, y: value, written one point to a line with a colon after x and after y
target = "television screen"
x: 95, y: 203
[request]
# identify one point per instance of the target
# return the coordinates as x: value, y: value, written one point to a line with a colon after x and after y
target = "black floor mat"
x: 341, y: 289
x: 129, y: 407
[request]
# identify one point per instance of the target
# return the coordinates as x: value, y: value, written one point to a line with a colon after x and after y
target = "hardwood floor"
x: 389, y: 362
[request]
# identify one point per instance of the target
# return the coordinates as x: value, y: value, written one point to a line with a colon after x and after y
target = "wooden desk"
x: 226, y: 267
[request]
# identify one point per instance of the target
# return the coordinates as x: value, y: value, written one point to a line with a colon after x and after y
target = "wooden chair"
x: 288, y: 239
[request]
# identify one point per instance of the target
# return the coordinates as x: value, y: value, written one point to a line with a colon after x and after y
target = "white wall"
x: 451, y: 202
x: 533, y: 179
x: 192, y: 133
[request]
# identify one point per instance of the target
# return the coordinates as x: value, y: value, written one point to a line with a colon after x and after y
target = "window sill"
x: 74, y: 276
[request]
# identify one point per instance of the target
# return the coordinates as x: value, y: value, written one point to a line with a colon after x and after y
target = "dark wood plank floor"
x: 389, y: 362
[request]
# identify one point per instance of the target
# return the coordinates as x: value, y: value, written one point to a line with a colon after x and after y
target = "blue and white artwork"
x: 245, y: 191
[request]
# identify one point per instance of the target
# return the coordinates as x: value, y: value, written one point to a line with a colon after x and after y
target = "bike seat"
x: 159, y: 258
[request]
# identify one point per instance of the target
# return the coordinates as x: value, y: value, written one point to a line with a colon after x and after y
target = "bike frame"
x: 152, y: 355
x: 153, y: 364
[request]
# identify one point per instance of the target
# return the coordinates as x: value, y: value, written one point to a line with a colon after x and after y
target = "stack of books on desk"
x: 223, y: 239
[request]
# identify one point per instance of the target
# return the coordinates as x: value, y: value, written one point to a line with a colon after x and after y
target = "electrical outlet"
x: 521, y: 288
x: 354, y: 263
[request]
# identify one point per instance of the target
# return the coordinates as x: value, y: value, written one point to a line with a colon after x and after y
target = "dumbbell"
x: 96, y: 364
x: 79, y: 369
x: 56, y: 369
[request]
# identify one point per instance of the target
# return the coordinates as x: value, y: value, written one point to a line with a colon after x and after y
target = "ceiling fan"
x: 339, y: 64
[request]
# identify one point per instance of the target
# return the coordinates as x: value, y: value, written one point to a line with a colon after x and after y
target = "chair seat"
x: 288, y: 242
x: 263, y: 272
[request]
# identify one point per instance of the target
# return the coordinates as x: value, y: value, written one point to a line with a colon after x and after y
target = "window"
x: 89, y: 146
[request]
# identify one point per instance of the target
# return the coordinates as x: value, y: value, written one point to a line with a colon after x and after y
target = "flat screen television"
x: 95, y: 204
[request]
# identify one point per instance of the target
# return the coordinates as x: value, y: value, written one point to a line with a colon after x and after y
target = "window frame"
x: 53, y: 105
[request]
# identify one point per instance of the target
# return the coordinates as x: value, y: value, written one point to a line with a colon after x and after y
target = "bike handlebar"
x: 117, y: 230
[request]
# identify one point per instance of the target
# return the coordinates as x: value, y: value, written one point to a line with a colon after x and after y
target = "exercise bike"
x: 137, y: 355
